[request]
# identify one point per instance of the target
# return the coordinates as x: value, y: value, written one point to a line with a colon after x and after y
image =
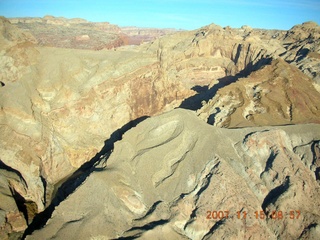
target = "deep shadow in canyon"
x: 204, y: 93
x: 79, y: 176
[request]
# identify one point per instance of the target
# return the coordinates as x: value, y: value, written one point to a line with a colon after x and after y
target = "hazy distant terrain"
x: 81, y: 34
x: 123, y: 133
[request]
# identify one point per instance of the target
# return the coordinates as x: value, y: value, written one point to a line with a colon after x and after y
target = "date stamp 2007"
x: 292, y: 214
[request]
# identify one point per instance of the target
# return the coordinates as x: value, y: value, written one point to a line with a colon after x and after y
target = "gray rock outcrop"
x: 62, y: 108
x: 175, y: 177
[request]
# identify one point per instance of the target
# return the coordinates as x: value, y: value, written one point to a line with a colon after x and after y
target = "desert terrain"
x: 112, y: 132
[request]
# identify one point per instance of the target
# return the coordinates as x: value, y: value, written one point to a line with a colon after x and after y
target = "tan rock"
x: 83, y: 38
x: 68, y: 103
x: 278, y: 94
x: 59, y: 105
x: 16, y: 221
x: 12, y: 220
x: 170, y: 176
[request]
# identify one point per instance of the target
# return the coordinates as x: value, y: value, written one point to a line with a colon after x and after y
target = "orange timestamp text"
x: 292, y: 214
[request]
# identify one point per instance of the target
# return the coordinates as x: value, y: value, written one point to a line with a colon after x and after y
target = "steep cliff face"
x: 79, y: 33
x: 303, y: 49
x: 213, y: 52
x: 61, y: 109
x: 58, y: 106
x: 72, y: 33
x: 172, y: 176
x: 245, y: 49
x: 71, y: 102
x: 278, y: 94
x: 138, y: 35
x: 16, y: 53
x: 284, y: 91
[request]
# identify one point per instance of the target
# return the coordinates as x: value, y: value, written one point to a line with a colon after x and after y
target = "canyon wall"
x: 62, y: 109
x: 176, y: 177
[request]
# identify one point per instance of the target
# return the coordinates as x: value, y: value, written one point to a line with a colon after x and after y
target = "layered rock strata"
x: 176, y: 177
x: 72, y: 33
x: 59, y: 106
x: 278, y: 94
x: 82, y: 34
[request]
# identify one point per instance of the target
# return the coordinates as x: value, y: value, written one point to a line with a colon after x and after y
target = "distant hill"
x: 92, y: 145
x: 81, y: 34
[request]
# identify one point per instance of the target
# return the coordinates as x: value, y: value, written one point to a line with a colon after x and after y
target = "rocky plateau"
x: 79, y: 33
x: 124, y: 133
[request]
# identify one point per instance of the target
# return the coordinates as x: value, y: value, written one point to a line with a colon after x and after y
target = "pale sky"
x: 180, y: 14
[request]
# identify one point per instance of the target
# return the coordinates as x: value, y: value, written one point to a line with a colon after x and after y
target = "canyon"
x: 121, y: 133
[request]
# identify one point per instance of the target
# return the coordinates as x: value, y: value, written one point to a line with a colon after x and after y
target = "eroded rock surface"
x: 303, y: 48
x: 72, y: 33
x: 278, y: 94
x: 137, y: 35
x: 61, y: 108
x: 169, y: 172
x: 79, y: 33
x: 59, y: 105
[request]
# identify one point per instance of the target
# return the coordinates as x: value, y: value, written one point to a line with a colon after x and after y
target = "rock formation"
x: 303, y: 46
x: 62, y: 109
x: 67, y: 103
x: 137, y: 35
x: 81, y: 34
x: 278, y: 94
x: 72, y: 33
x: 177, y: 177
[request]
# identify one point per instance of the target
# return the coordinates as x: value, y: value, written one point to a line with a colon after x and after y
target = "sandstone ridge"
x: 278, y: 94
x: 62, y: 109
x: 156, y: 184
x: 82, y: 34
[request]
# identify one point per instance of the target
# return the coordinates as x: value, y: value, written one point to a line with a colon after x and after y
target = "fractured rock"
x: 177, y: 177
x: 278, y: 94
x: 59, y: 105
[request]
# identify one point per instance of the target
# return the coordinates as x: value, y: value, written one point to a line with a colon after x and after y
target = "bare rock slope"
x: 72, y: 33
x: 303, y: 48
x: 58, y: 106
x: 79, y: 33
x: 63, y: 108
x: 175, y: 176
x: 278, y: 94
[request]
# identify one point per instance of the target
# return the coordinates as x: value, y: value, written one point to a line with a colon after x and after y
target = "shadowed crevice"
x: 317, y: 173
x: 315, y: 149
x: 150, y: 211
x: 239, y: 48
x: 150, y: 225
x: 205, y: 94
x: 143, y: 229
x: 10, y: 169
x: 307, y: 229
x: 270, y: 160
x: 214, y: 228
x: 194, y: 102
x: 27, y: 208
x: 79, y: 176
x: 302, y: 53
x: 275, y: 193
